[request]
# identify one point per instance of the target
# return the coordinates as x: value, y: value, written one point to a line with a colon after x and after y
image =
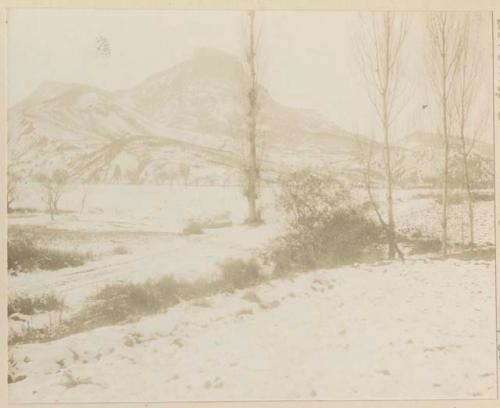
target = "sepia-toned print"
x: 250, y: 205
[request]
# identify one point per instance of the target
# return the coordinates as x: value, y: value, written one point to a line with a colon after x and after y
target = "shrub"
x: 25, y: 255
x: 33, y: 335
x: 482, y: 254
x: 22, y: 254
x: 193, y: 227
x: 30, y: 305
x: 457, y: 197
x: 325, y: 228
x: 483, y: 196
x: 123, y: 301
x: 53, y: 259
x: 425, y: 245
x: 238, y: 273
x: 120, y: 250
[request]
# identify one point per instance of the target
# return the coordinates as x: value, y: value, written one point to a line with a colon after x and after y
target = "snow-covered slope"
x: 327, y: 335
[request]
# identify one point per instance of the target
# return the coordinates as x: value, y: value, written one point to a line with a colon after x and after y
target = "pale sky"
x: 308, y: 59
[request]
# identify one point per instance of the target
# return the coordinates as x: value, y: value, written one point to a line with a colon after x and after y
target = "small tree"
x: 15, y: 173
x: 184, y: 171
x: 53, y: 187
x: 13, y: 180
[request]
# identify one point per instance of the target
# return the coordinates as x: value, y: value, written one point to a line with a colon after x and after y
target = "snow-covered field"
x: 425, y: 330
x: 164, y: 208
x: 422, y: 329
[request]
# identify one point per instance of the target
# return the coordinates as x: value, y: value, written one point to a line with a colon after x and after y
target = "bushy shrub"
x: 325, y: 227
x: 120, y: 250
x: 29, y: 305
x: 483, y: 195
x: 456, y: 197
x: 477, y: 254
x: 36, y: 334
x: 22, y: 254
x: 25, y: 255
x: 53, y: 259
x: 238, y: 273
x: 193, y: 227
x: 119, y: 302
x: 425, y: 245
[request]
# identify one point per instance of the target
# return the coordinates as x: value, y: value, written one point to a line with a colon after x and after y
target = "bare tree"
x: 379, y: 52
x: 53, y: 186
x: 15, y: 174
x: 251, y: 167
x: 465, y: 100
x: 13, y: 180
x: 85, y: 192
x: 445, y: 35
x: 184, y: 172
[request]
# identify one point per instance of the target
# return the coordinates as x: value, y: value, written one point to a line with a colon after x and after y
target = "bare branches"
x: 378, y: 49
x: 379, y: 53
x: 465, y: 98
x: 53, y: 186
x: 447, y: 38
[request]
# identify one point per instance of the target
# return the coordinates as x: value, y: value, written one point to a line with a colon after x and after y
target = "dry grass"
x: 30, y: 305
x: 24, y: 254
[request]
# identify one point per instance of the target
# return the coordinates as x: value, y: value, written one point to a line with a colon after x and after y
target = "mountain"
x: 193, y: 112
x: 207, y: 95
x: 185, y: 123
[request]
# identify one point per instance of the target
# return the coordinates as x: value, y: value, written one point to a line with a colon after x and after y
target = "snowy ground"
x: 423, y: 329
x: 182, y: 257
x: 369, y: 332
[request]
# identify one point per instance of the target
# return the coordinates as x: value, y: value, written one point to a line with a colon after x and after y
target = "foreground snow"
x: 423, y: 329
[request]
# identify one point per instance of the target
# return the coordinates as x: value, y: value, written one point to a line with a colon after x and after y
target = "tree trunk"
x: 377, y: 212
x: 469, y: 194
x: 252, y: 168
x: 51, y: 211
x: 390, y: 208
x: 56, y: 210
x: 387, y: 147
x: 391, y: 236
x: 444, y: 220
x: 84, y: 199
